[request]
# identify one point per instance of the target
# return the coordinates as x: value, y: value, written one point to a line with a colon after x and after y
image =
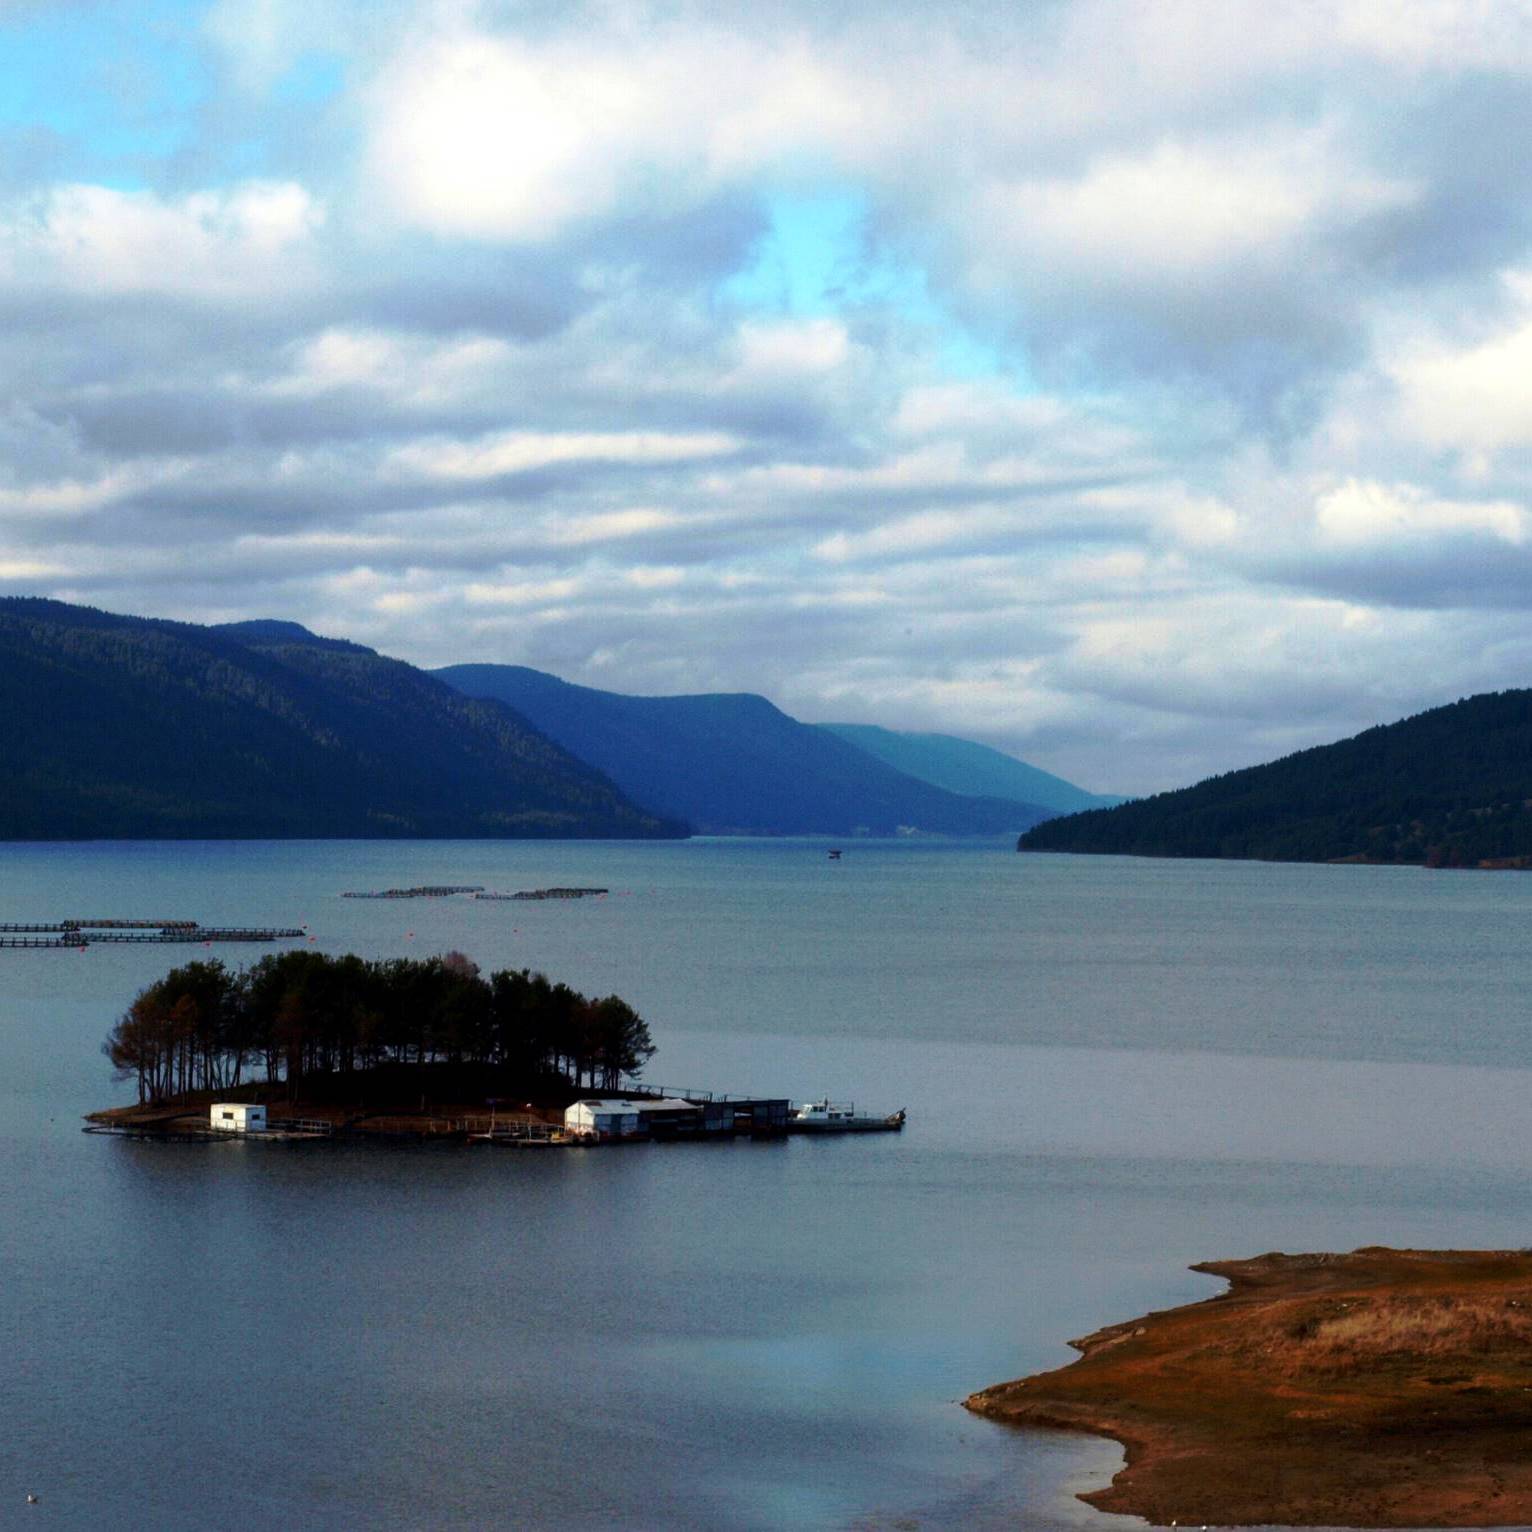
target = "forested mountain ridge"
x: 733, y: 763
x: 123, y: 727
x: 1451, y: 787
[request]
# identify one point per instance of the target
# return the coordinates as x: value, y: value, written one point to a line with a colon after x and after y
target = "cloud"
x: 1364, y: 514
x: 1472, y: 396
x: 227, y: 244
x: 506, y: 453
x: 1139, y: 388
x: 493, y: 136
x: 1188, y: 209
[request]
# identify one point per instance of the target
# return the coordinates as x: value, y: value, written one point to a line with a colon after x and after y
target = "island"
x: 1382, y: 1388
x: 409, y: 1046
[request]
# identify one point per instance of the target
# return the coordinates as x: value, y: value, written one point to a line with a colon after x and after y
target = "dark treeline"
x: 305, y: 1014
x: 1447, y: 788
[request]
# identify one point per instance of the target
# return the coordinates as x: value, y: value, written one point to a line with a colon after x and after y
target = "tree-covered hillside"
x: 1449, y: 788
x: 122, y: 727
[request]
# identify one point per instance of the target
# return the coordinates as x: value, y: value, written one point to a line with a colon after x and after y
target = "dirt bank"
x: 1385, y: 1388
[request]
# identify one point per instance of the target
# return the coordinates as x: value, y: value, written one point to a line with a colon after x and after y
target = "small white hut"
x: 603, y: 1119
x: 237, y: 1117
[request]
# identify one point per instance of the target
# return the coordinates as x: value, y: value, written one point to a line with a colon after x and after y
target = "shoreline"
x: 320, y: 1121
x: 1382, y: 1389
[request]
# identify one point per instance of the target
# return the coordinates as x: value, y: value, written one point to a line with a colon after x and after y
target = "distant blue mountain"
x: 962, y: 766
x: 735, y: 764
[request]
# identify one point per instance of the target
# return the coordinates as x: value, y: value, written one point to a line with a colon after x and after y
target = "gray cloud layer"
x: 1142, y: 390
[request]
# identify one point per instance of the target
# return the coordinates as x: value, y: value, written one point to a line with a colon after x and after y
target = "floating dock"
x: 522, y: 1135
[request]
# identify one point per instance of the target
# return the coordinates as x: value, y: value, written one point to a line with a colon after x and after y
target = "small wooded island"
x: 368, y: 1044
x: 1385, y: 1388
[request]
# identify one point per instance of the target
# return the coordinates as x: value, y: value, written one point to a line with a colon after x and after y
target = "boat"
x: 826, y: 1116
x: 835, y: 854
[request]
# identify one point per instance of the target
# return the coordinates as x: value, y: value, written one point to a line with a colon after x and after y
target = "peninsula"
x: 1384, y: 1388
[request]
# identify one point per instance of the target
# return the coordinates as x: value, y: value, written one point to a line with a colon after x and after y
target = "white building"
x: 603, y: 1119
x: 237, y: 1117
x: 651, y: 1117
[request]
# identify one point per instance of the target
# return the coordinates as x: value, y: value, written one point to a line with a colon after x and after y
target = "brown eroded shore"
x: 1385, y: 1388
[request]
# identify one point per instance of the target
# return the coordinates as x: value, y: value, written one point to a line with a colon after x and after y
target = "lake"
x: 1112, y: 1067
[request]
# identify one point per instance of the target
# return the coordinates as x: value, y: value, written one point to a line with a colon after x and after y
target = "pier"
x: 100, y: 925
x: 201, y: 934
x: 522, y: 1135
x: 74, y: 934
x: 182, y: 1131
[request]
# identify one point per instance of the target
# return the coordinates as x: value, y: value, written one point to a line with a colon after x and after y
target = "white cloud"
x: 792, y: 349
x: 1356, y: 514
x: 655, y: 577
x: 411, y: 369
x: 608, y: 526
x: 508, y: 452
x: 1441, y: 34
x: 486, y: 135
x: 232, y: 243
x: 1473, y: 397
x: 520, y: 592
x: 65, y: 498
x: 1183, y: 208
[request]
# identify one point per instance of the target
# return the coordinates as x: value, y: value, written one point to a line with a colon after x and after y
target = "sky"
x: 1144, y: 389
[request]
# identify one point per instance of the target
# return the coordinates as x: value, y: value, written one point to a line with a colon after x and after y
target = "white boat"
x: 828, y: 1116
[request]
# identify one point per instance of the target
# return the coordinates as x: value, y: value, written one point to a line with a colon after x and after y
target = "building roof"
x: 629, y: 1108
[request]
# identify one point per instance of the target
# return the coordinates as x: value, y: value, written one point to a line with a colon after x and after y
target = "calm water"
x: 1113, y: 1068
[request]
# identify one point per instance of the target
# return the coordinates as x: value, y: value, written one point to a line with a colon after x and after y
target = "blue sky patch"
x: 117, y: 85
x: 818, y: 258
x: 312, y: 80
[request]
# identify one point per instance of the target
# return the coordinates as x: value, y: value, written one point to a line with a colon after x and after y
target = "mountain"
x: 124, y: 727
x: 268, y: 632
x: 733, y: 763
x: 962, y: 766
x: 1448, y: 788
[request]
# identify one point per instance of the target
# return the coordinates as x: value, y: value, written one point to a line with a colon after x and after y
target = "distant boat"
x: 835, y: 854
x: 828, y: 1116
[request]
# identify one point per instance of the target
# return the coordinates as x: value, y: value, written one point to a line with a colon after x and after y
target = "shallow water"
x: 1113, y: 1068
